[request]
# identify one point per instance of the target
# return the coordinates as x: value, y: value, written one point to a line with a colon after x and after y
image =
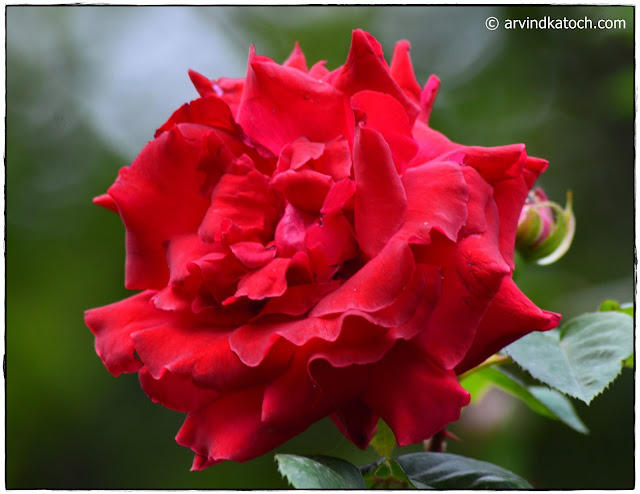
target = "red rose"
x: 308, y: 246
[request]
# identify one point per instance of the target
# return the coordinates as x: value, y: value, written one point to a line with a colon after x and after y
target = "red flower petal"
x: 253, y: 341
x: 305, y: 189
x: 231, y: 428
x: 296, y: 60
x: 357, y: 422
x: 480, y: 195
x: 280, y: 104
x: 339, y: 195
x: 107, y: 202
x: 299, y: 299
x: 384, y: 114
x: 268, y: 281
x: 375, y: 286
x: 494, y: 164
x: 230, y: 91
x: 203, y: 354
x: 211, y: 111
x: 175, y: 391
x: 360, y: 342
x: 432, y: 144
x: 319, y: 71
x: 252, y: 254
x: 299, y: 152
x: 428, y: 96
x: 402, y: 71
x: 510, y: 316
x: 291, y: 229
x: 329, y: 245
x: 366, y: 68
x: 380, y: 201
x: 314, y: 396
x: 158, y: 198
x: 404, y: 386
x: 112, y: 326
x: 437, y: 196
x: 247, y: 201
x: 472, y: 271
x: 336, y: 159
x: 203, y: 85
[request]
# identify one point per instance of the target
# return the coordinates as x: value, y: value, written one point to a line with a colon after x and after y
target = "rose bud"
x: 545, y: 230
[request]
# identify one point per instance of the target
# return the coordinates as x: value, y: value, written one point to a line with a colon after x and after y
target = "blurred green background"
x: 87, y: 87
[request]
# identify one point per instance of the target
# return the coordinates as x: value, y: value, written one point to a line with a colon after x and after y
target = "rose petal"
x: 175, y: 391
x: 305, y: 189
x: 428, y: 96
x: 112, y: 326
x: 230, y: 91
x: 291, y: 229
x: 252, y: 254
x: 393, y: 395
x: 494, y: 164
x: 204, y: 354
x: 510, y: 316
x: 298, y: 153
x: 357, y: 422
x: 231, y: 428
x: 210, y: 110
x: 472, y: 272
x: 329, y: 245
x: 384, y: 114
x: 402, y: 71
x: 431, y: 144
x: 280, y: 104
x: 375, y: 286
x: 338, y: 196
x: 366, y: 68
x: 318, y: 70
x: 158, y: 198
x: 380, y: 201
x: 296, y: 60
x: 268, y: 281
x: 315, y: 396
x: 437, y: 196
x: 253, y: 341
x: 299, y: 299
x: 336, y: 159
x: 247, y: 201
x: 107, y: 202
x: 203, y: 85
x: 480, y: 195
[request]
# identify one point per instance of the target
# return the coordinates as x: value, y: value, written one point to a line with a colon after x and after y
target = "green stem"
x: 493, y: 360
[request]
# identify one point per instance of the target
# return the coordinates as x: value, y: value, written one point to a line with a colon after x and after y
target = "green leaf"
x: 582, y: 358
x: 560, y: 406
x: 612, y: 305
x: 319, y: 472
x: 628, y: 362
x: 447, y: 471
x: 542, y: 400
x: 384, y: 441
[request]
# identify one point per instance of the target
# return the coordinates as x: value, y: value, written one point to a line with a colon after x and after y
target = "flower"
x: 308, y: 247
x: 545, y: 230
